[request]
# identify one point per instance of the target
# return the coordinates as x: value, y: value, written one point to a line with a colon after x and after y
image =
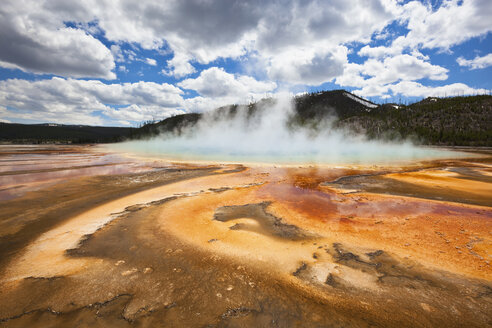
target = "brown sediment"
x: 264, y: 222
x: 470, y: 185
x: 48, y: 249
x: 25, y: 218
x: 228, y: 246
x: 161, y: 278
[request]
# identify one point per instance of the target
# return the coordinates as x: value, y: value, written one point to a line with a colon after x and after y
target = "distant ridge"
x: 455, y: 121
x: 60, y: 133
x: 340, y: 102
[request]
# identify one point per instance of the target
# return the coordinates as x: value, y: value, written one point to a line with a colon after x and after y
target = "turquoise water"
x: 312, y: 153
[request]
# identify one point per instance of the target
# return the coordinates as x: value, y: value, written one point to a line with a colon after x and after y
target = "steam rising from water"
x: 264, y: 137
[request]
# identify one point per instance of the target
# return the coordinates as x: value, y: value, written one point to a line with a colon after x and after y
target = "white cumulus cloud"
x: 375, y: 76
x: 216, y: 82
x: 80, y: 101
x: 31, y: 41
x: 414, y: 89
x: 477, y: 62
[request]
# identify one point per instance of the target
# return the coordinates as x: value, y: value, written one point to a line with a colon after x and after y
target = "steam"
x: 265, y: 137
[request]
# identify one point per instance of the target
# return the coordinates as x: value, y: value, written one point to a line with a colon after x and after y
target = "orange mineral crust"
x: 226, y: 245
x: 443, y: 235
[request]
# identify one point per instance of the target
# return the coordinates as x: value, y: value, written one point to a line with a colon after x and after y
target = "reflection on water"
x: 27, y: 168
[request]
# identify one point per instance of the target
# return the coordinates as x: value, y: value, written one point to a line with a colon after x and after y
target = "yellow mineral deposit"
x: 218, y: 244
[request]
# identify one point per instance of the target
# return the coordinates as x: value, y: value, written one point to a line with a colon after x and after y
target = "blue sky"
x: 123, y: 63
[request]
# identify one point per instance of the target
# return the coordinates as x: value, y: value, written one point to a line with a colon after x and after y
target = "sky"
x: 124, y: 62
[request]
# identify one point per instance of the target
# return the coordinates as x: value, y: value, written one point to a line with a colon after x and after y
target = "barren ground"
x: 89, y: 239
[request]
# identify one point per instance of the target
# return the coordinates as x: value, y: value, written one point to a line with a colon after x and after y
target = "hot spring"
x: 266, y: 138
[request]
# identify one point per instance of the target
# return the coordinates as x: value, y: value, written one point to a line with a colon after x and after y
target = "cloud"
x: 81, y: 101
x: 30, y: 41
x: 373, y: 90
x: 311, y: 23
x: 94, y: 102
x: 375, y: 76
x: 179, y: 66
x: 151, y: 61
x: 307, y: 35
x: 136, y: 113
x: 217, y: 88
x: 117, y: 53
x: 414, y: 89
x: 352, y: 76
x: 3, y: 111
x: 203, y: 31
x: 215, y: 82
x: 200, y: 31
x: 379, y: 52
x: 476, y: 63
x: 304, y: 67
x: 452, y: 23
x: 303, y: 42
x: 402, y: 67
x: 203, y: 104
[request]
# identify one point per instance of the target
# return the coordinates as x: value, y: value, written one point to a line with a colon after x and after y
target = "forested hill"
x: 59, y: 133
x: 456, y: 121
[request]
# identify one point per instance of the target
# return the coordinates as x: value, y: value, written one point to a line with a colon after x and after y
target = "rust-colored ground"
x: 157, y: 244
